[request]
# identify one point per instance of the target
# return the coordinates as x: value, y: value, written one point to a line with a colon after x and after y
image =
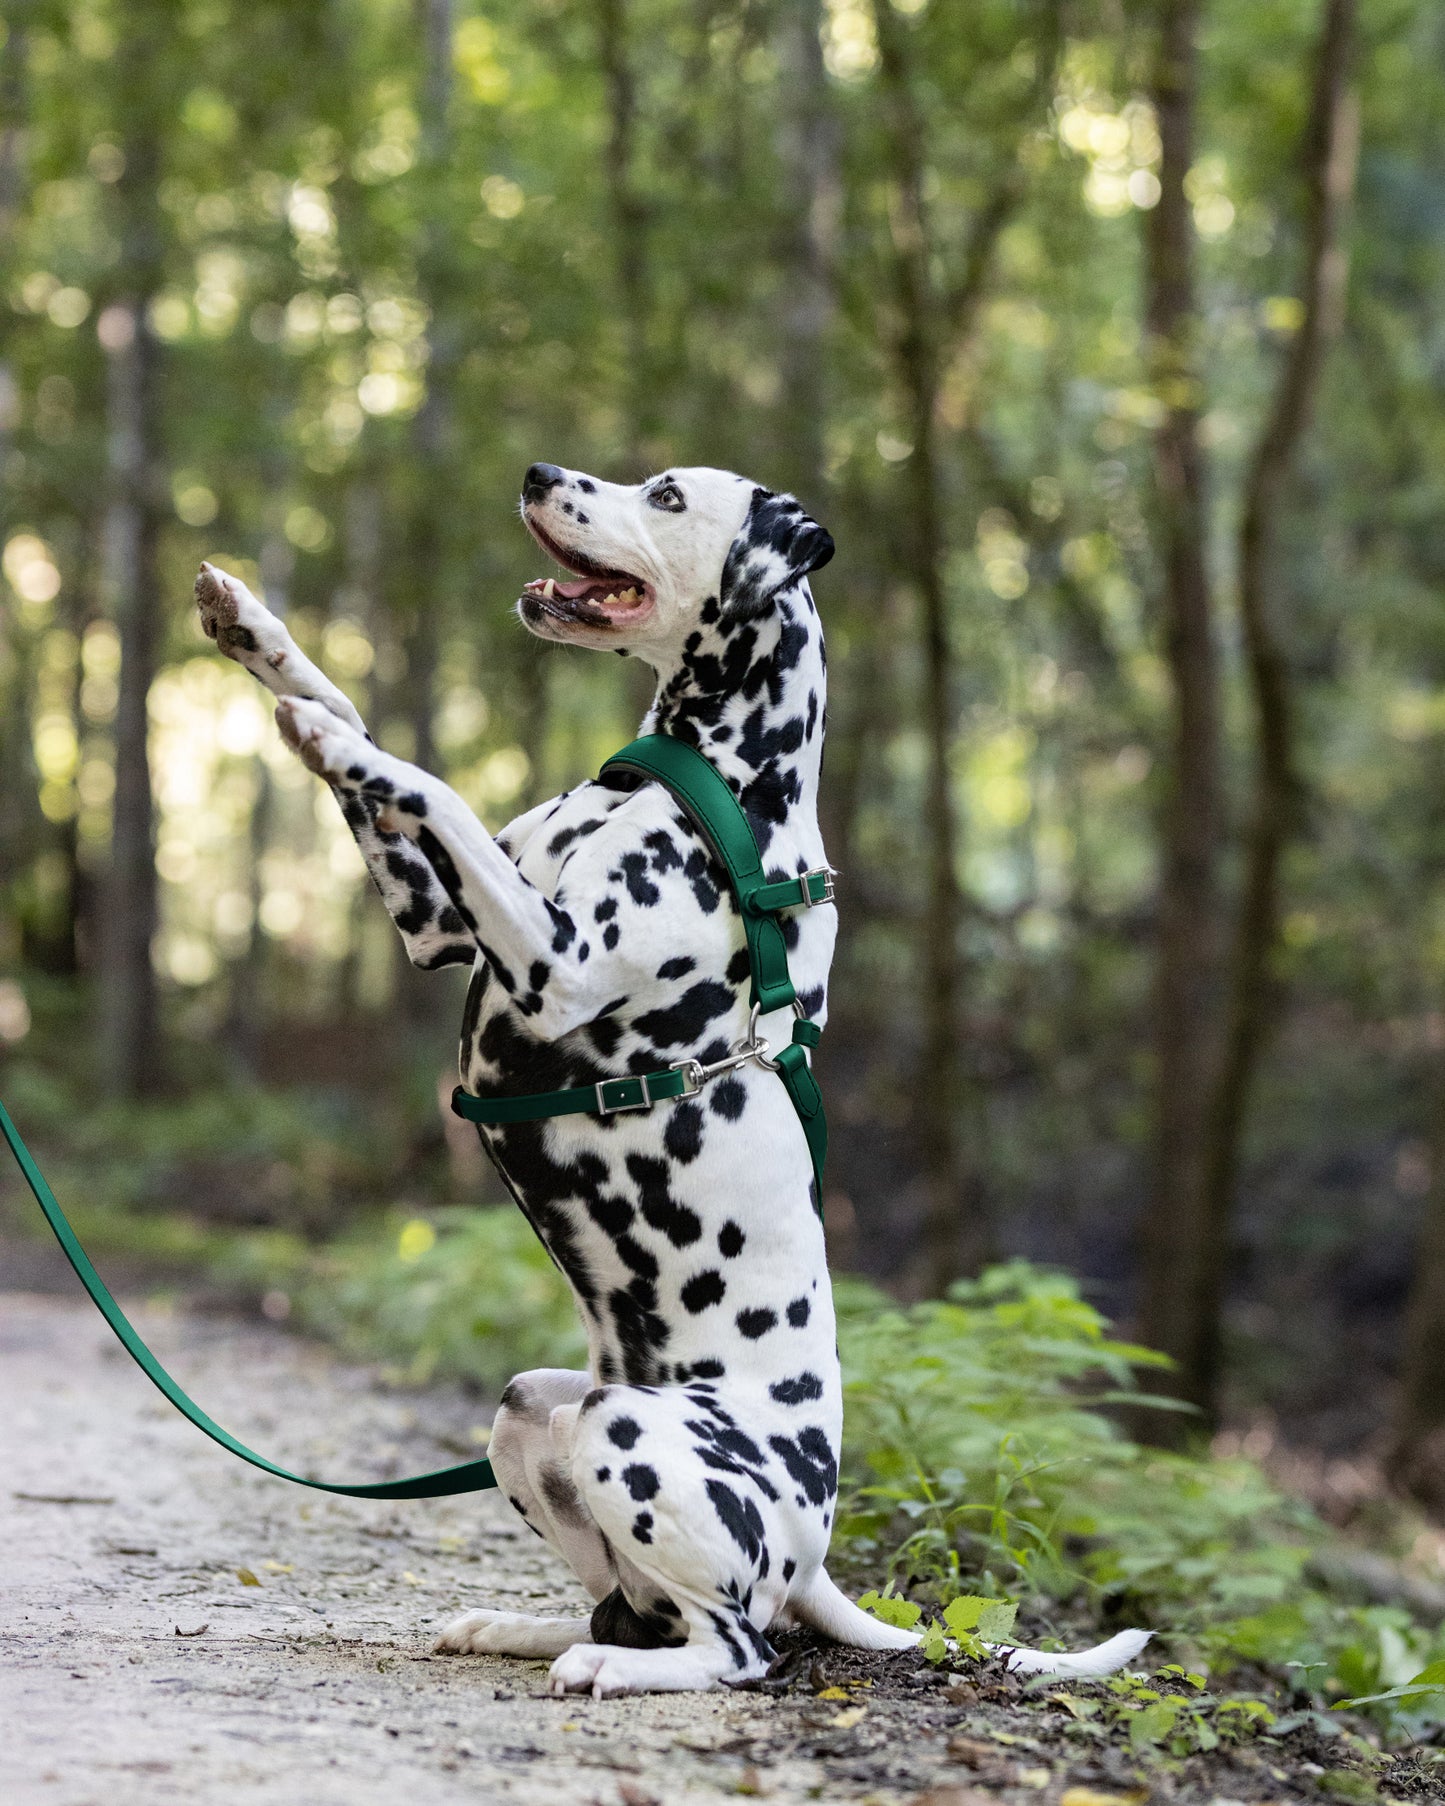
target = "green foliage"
x: 467, y: 1294
x: 1175, y: 1717
x: 975, y: 1448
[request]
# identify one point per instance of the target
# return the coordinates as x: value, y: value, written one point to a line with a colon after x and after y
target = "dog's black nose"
x: 539, y: 479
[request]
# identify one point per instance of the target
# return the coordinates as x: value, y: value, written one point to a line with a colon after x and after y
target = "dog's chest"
x: 685, y: 1229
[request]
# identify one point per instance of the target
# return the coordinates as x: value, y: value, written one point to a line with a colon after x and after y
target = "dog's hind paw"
x: 605, y: 1670
x: 510, y: 1634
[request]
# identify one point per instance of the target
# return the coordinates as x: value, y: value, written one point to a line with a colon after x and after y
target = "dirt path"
x: 121, y: 1526
x: 177, y: 1626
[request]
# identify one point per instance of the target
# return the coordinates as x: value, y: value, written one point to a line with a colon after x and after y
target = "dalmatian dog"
x: 689, y: 1476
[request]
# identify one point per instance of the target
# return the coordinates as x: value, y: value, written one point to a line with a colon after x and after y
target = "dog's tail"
x: 823, y: 1608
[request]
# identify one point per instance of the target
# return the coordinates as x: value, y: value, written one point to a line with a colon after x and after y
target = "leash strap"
x: 710, y: 803
x: 471, y: 1476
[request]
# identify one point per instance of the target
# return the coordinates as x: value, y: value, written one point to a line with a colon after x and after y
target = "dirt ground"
x: 175, y: 1625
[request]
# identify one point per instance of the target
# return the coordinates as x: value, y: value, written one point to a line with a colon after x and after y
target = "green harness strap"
x: 704, y: 793
x: 471, y: 1476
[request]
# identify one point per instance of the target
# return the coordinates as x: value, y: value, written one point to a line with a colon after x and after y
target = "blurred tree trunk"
x: 629, y: 226
x: 1180, y: 1257
x: 808, y: 155
x: 954, y: 1240
x: 129, y: 1029
x: 1329, y: 157
x: 18, y: 806
x: 426, y: 541
x: 1415, y: 1462
x: 933, y: 319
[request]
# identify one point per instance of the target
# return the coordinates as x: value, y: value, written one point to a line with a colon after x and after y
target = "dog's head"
x: 652, y: 560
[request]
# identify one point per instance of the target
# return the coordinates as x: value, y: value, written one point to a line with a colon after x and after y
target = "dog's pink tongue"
x: 573, y: 592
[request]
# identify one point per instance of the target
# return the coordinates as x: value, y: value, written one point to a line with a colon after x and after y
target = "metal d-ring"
x: 757, y: 1046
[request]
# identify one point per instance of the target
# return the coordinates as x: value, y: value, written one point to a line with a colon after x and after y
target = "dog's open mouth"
x: 601, y: 596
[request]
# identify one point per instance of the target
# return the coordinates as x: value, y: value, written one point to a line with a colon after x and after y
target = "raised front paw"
x: 324, y: 744
x: 243, y: 628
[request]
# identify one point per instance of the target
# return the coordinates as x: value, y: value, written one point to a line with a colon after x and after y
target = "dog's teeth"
x: 629, y: 596
x: 549, y: 588
x: 607, y: 599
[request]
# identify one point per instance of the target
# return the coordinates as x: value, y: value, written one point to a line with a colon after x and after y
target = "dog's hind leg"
x: 822, y: 1607
x: 534, y: 1477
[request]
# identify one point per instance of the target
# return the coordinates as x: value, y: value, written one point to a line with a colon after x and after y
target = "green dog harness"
x: 711, y: 804
x: 708, y: 802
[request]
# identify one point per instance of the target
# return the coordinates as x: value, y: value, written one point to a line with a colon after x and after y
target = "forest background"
x: 1107, y: 339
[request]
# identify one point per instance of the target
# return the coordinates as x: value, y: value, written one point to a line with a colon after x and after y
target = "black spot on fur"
x: 683, y: 1135
x: 800, y: 1390
x: 642, y: 1527
x: 703, y: 1290
x: 730, y: 1239
x: 640, y: 1480
x: 623, y: 1432
x: 683, y: 1023
x: 756, y: 1322
x: 729, y: 1099
x: 810, y: 1463
x: 739, y: 1516
x: 676, y: 968
x: 660, y: 1210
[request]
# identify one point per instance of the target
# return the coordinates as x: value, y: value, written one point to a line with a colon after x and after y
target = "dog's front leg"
x: 246, y: 631
x: 531, y: 945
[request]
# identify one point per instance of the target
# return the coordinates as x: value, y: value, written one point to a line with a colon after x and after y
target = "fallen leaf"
x: 844, y: 1721
x: 973, y: 1751
x: 1091, y: 1796
x: 247, y: 1578
x: 833, y: 1693
x: 279, y: 1567
x: 199, y: 1631
x: 961, y: 1694
x: 1034, y: 1777
x: 631, y: 1794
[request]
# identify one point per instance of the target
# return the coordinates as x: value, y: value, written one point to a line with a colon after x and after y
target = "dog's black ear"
x: 778, y: 544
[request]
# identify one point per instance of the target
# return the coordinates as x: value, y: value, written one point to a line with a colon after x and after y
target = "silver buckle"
x: 692, y: 1073
x: 827, y: 874
x: 606, y: 1109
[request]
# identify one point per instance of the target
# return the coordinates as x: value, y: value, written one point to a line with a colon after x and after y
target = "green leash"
x: 705, y: 795
x: 471, y: 1476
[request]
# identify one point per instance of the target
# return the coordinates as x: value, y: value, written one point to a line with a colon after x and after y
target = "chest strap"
x: 710, y: 804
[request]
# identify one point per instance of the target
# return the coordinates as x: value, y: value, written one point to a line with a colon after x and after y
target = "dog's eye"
x: 669, y: 496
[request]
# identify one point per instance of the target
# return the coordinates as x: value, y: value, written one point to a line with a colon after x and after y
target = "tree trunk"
x: 1179, y: 1258
x: 1329, y: 157
x: 629, y: 226
x: 808, y: 154
x: 931, y: 321
x: 426, y: 537
x: 130, y: 1050
x: 1416, y: 1458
